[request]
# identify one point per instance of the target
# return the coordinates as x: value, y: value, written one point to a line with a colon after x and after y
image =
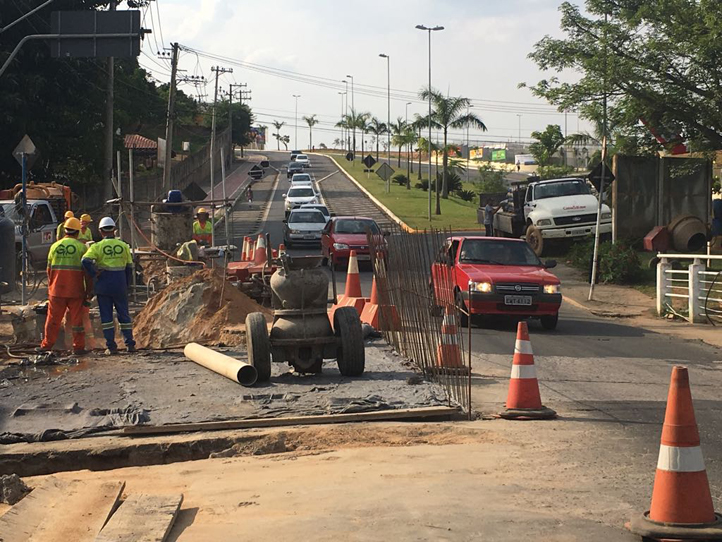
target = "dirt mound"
x: 190, y: 310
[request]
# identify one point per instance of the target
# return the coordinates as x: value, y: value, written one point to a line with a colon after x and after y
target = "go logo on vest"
x: 115, y: 250
x: 66, y: 250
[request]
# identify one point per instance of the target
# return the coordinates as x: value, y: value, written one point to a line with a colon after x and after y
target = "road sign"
x: 385, y: 171
x: 27, y: 147
x: 595, y: 176
x: 95, y: 24
x: 256, y: 172
x: 369, y: 161
x: 349, y: 156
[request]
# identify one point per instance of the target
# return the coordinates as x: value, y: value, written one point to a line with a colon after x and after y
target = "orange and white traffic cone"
x: 259, y: 257
x: 523, y: 401
x: 281, y: 250
x: 448, y: 354
x: 244, y: 250
x: 373, y: 311
x: 352, y: 296
x: 681, y: 501
x: 250, y: 251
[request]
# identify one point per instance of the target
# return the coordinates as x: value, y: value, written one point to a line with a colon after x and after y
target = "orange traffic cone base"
x: 654, y: 530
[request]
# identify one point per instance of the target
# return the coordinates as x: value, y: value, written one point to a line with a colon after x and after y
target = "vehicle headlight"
x: 483, y: 287
x: 340, y: 246
x: 294, y: 231
x: 552, y: 289
x: 606, y: 216
x: 544, y: 222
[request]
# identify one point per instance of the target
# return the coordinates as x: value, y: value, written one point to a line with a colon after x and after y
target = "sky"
x: 279, y: 48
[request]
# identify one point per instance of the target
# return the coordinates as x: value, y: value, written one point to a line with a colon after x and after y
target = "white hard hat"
x: 106, y: 223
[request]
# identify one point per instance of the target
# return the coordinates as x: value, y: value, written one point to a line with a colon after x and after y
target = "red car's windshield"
x: 497, y: 252
x: 356, y: 226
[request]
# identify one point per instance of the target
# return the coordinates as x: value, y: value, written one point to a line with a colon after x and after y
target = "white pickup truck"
x: 42, y: 223
x: 549, y: 211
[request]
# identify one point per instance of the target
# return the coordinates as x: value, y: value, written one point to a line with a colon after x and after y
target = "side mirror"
x: 550, y: 264
x: 284, y: 195
x: 285, y: 221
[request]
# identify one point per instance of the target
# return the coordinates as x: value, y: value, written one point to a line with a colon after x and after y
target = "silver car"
x: 303, y: 226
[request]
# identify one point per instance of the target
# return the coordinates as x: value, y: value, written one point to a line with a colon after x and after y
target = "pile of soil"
x: 191, y: 310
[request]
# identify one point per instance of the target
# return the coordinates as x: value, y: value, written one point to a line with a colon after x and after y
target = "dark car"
x: 293, y: 168
x: 346, y: 233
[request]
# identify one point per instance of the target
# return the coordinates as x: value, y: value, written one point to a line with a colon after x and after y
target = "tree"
x: 351, y: 122
x: 656, y: 61
x: 547, y: 144
x: 336, y: 143
x: 377, y: 128
x: 409, y: 138
x: 278, y: 125
x: 242, y: 121
x: 398, y: 129
x: 362, y: 123
x: 449, y: 112
x: 311, y: 121
x: 285, y: 139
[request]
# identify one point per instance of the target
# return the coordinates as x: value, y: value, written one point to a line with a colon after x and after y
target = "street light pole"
x: 342, y: 134
x: 519, y: 115
x: 388, y: 113
x: 468, y: 148
x: 429, y: 30
x: 295, y: 135
x: 353, y: 109
x: 410, y: 150
x: 348, y: 130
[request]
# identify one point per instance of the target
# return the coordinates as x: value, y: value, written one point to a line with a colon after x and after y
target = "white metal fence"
x: 695, y: 289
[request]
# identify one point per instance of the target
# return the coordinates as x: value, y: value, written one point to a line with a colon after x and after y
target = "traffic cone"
x: 352, y: 296
x: 281, y: 250
x: 681, y: 500
x: 448, y: 354
x: 259, y: 257
x: 523, y: 401
x: 372, y: 311
x: 244, y: 250
x: 251, y: 250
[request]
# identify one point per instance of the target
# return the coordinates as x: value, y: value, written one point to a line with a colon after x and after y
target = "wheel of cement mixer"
x: 259, y: 348
x: 351, y: 356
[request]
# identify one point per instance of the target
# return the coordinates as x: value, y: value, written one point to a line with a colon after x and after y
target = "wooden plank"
x: 142, y: 518
x: 61, y: 510
x: 382, y: 415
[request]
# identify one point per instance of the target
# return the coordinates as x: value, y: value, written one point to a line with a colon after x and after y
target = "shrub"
x: 452, y: 179
x: 553, y: 172
x: 466, y: 195
x: 492, y: 180
x: 399, y: 179
x: 422, y: 185
x: 618, y: 262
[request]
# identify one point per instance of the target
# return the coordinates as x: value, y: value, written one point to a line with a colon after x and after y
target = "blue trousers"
x: 106, y: 304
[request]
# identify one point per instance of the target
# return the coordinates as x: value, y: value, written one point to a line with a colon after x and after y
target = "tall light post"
x: 348, y: 130
x: 429, y: 30
x: 342, y: 134
x: 295, y: 135
x: 468, y: 148
x: 519, y: 115
x: 353, y: 108
x: 388, y: 112
x: 410, y: 150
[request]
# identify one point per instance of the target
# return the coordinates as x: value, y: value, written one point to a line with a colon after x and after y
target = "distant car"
x: 503, y: 277
x: 319, y: 206
x: 302, y: 159
x: 297, y: 196
x: 346, y: 233
x: 303, y: 226
x: 301, y: 177
x: 294, y: 168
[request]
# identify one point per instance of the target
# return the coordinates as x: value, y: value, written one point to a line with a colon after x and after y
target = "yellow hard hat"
x: 85, y: 218
x: 72, y: 224
x: 69, y: 214
x: 201, y: 210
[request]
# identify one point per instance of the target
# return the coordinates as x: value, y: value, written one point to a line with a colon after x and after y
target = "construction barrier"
x: 448, y: 354
x: 352, y: 296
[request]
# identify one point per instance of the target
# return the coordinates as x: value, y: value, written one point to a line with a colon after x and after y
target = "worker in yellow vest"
x: 203, y: 228
x: 60, y: 232
x: 85, y: 234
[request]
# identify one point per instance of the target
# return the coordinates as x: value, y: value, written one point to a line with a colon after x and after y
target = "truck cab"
x: 42, y: 223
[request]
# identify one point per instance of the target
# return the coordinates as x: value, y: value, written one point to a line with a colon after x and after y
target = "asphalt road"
x: 604, y: 372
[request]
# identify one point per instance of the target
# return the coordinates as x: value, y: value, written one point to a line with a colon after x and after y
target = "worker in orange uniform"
x: 202, y: 228
x: 60, y: 232
x: 68, y: 287
x: 85, y: 234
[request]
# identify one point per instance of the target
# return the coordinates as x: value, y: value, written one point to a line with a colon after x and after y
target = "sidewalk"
x: 614, y: 301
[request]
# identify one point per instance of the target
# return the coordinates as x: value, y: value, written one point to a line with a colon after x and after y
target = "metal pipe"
x: 232, y: 368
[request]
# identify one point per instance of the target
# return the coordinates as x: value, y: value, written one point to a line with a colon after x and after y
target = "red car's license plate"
x: 517, y: 300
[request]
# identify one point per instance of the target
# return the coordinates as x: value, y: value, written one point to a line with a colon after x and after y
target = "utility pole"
x: 218, y: 71
x: 388, y: 110
x: 295, y: 135
x: 109, y: 104
x: 169, y: 121
x: 230, y: 111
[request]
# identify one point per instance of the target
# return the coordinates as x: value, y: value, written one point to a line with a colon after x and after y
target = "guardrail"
x: 698, y: 284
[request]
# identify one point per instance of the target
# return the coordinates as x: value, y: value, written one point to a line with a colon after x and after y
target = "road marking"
x: 327, y: 176
x: 269, y: 204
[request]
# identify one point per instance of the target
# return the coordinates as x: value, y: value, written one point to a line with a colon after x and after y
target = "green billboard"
x: 498, y: 155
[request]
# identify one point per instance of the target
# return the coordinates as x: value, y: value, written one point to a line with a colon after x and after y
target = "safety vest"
x: 112, y: 259
x: 85, y: 236
x: 203, y: 232
x: 65, y: 272
x: 60, y: 232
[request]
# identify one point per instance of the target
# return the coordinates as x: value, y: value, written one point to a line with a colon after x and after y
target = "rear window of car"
x: 301, y: 193
x: 301, y: 157
x: 321, y: 208
x: 356, y: 226
x: 307, y: 217
x: 301, y: 177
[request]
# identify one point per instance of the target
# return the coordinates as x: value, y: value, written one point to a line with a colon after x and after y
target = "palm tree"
x: 449, y: 112
x: 344, y: 124
x: 398, y: 129
x: 352, y: 121
x: 410, y: 138
x: 362, y: 123
x: 311, y: 121
x: 278, y: 125
x: 285, y: 139
x: 377, y: 128
x: 336, y: 143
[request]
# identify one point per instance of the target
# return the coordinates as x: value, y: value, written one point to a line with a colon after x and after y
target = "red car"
x: 502, y: 277
x: 344, y: 234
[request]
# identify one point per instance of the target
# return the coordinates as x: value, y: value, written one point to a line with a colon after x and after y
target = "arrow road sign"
x: 595, y: 176
x: 26, y: 147
x: 369, y: 161
x: 385, y: 171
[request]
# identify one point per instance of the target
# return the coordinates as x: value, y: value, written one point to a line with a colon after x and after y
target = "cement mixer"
x: 302, y: 334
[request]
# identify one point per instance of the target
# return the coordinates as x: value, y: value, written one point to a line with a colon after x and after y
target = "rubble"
x: 190, y: 310
x: 12, y: 489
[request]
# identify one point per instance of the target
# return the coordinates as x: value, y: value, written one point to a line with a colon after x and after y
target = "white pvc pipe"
x: 231, y: 368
